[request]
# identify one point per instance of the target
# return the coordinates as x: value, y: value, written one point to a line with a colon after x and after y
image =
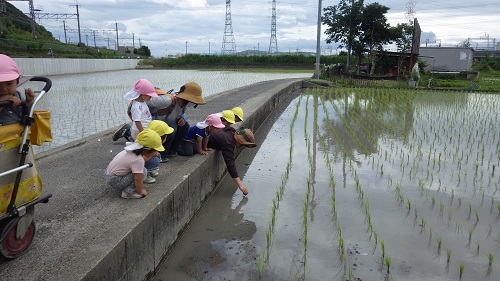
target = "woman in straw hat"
x: 227, y: 140
x: 126, y: 172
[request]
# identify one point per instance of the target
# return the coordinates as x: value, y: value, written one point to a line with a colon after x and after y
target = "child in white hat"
x: 138, y: 109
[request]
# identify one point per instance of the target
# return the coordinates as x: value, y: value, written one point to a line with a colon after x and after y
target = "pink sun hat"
x: 211, y: 120
x: 142, y: 87
x: 9, y: 70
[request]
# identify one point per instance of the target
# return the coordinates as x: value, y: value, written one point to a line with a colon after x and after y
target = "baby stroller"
x: 20, y: 183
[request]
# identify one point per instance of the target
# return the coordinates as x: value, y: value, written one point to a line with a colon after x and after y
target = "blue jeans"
x: 175, y: 138
x: 153, y: 164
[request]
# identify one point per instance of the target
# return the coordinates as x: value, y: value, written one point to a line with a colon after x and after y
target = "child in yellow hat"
x: 126, y: 172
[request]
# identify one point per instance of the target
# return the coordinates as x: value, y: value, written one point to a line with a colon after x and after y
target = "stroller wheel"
x: 11, y: 247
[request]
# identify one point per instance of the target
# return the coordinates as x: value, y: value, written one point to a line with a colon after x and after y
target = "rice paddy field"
x: 358, y: 184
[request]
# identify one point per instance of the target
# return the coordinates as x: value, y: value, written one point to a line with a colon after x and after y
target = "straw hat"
x: 191, y: 92
x: 245, y: 137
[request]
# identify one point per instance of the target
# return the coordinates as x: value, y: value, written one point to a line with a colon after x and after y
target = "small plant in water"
x: 448, y: 256
x: 490, y: 259
x: 388, y: 263
x: 382, y: 246
x: 461, y: 267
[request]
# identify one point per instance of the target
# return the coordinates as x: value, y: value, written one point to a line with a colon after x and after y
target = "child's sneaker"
x: 120, y: 133
x: 153, y: 173
x: 149, y: 179
x: 131, y: 195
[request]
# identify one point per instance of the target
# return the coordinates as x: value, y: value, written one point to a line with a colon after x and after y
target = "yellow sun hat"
x: 228, y: 115
x: 160, y: 127
x: 238, y: 112
x: 146, y: 138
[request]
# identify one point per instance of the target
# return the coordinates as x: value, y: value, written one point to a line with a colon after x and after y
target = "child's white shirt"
x: 140, y: 112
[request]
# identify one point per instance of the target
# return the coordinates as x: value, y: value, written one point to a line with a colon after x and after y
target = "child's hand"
x: 30, y: 95
x: 15, y: 101
x: 144, y: 192
x: 203, y: 152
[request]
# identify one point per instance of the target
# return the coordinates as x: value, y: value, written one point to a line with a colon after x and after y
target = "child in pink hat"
x: 196, y: 140
x: 9, y: 80
x: 138, y: 110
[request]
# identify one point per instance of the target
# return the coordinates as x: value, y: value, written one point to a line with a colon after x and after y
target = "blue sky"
x: 166, y: 25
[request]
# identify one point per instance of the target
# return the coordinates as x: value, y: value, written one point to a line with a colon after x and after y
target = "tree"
x: 403, y: 33
x: 343, y: 21
x: 143, y: 51
x: 375, y: 31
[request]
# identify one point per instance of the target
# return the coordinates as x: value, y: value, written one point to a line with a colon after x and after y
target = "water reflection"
x: 85, y: 104
x: 356, y: 120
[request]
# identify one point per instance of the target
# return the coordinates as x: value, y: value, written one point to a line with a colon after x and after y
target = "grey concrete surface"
x: 87, y: 232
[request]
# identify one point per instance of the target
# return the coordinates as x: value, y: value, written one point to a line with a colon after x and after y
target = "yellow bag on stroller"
x: 30, y: 186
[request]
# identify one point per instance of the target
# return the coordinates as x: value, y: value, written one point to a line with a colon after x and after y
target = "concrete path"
x: 87, y: 232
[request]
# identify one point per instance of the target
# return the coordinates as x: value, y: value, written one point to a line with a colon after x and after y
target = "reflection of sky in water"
x: 85, y: 104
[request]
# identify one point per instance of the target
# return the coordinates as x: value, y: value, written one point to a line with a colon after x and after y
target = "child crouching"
x: 126, y: 171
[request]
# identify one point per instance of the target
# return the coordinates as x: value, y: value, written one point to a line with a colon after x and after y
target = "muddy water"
x: 342, y: 185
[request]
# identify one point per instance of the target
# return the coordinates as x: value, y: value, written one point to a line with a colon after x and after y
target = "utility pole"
x: 65, y: 38
x: 116, y: 28
x: 318, y: 42
x: 186, y: 47
x: 78, y: 20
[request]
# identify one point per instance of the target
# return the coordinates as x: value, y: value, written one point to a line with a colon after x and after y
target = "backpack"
x: 167, y: 110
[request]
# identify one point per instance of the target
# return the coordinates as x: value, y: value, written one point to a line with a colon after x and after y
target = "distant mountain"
x: 16, y: 25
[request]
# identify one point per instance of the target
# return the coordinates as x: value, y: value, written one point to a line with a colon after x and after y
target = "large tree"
x: 359, y: 28
x: 343, y: 23
x: 375, y: 31
x: 403, y: 33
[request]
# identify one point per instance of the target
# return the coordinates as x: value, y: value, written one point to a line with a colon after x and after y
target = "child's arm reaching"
x: 199, y: 141
x: 205, y: 144
x: 30, y: 96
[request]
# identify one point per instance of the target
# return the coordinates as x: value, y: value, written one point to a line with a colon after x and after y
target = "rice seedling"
x: 388, y: 263
x: 477, y: 215
x: 448, y: 256
x: 461, y: 267
x: 477, y: 247
x: 470, y: 231
x: 470, y: 211
x: 459, y: 202
x: 433, y: 202
x: 490, y: 258
x: 382, y: 246
x: 441, y: 208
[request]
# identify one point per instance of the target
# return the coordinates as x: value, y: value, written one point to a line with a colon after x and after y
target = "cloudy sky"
x: 172, y: 26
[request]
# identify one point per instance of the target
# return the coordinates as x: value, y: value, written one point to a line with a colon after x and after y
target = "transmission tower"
x: 228, y: 45
x: 32, y: 17
x: 273, y: 43
x: 410, y: 13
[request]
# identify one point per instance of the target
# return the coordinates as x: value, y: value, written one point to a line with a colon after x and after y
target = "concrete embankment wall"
x: 60, y: 66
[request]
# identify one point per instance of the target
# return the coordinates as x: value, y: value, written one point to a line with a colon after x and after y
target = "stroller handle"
x: 48, y: 83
